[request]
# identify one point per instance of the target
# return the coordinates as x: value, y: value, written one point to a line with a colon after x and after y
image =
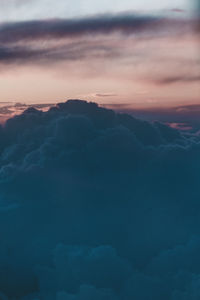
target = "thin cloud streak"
x: 177, y: 79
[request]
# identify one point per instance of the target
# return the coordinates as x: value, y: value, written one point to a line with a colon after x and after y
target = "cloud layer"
x: 32, y: 30
x: 21, y: 41
x: 97, y: 205
x: 127, y: 53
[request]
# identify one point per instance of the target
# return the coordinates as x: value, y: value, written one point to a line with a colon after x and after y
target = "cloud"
x: 71, y: 52
x: 62, y: 38
x: 10, y: 109
x: 177, y: 79
x: 21, y: 41
x: 122, y: 48
x: 97, y: 204
x: 184, y: 117
x: 48, y: 29
x: 105, y: 95
x: 15, y: 54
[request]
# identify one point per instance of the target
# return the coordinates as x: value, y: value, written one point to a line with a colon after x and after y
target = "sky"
x: 143, y: 53
x: 99, y: 203
x: 34, y: 9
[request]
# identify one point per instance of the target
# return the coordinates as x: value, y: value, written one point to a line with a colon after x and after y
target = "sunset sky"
x: 99, y: 149
x: 142, y: 53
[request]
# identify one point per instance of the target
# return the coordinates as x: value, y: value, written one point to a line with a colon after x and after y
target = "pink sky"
x: 156, y: 67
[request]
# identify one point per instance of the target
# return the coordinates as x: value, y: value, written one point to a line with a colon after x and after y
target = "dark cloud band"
x: 177, y: 79
x: 32, y: 30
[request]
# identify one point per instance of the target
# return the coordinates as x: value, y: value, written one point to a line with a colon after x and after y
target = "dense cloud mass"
x: 98, y: 205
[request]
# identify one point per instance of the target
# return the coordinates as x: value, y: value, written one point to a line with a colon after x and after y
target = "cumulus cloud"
x: 184, y: 117
x: 96, y: 204
x: 10, y: 109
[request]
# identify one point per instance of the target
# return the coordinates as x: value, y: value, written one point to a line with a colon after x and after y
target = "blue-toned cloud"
x: 97, y: 205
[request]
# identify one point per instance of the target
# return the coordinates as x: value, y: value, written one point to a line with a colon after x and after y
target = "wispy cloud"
x: 120, y: 50
x: 62, y: 39
x: 177, y: 79
x: 105, y: 95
